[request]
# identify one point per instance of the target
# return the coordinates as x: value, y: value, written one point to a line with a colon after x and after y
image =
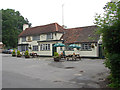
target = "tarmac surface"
x: 43, y: 72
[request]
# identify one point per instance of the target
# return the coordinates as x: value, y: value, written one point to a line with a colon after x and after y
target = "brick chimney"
x: 25, y: 26
x: 56, y: 26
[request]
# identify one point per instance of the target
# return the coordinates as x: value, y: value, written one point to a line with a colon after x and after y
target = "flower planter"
x: 14, y: 55
x: 18, y: 55
x: 92, y: 46
x: 57, y: 59
x: 27, y: 56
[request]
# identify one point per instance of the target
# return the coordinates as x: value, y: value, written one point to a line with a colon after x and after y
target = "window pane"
x: 23, y: 39
x: 49, y: 36
x: 41, y: 47
x: 36, y: 38
x: 86, y: 46
x: 35, y: 48
x: 24, y: 48
x: 45, y: 47
x: 48, y: 46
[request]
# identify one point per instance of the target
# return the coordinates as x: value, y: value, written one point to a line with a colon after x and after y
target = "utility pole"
x: 63, y: 14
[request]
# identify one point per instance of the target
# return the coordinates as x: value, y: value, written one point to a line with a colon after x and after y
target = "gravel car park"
x: 43, y: 72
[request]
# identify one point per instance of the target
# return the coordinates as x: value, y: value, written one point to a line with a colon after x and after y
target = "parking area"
x: 43, y: 72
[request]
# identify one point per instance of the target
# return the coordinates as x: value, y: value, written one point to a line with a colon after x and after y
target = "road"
x: 43, y: 72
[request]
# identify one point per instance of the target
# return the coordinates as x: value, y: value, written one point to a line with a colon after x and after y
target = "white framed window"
x: 35, y: 48
x: 36, y: 38
x: 44, y: 47
x: 24, y: 48
x: 86, y: 46
x: 50, y: 36
x: 23, y: 39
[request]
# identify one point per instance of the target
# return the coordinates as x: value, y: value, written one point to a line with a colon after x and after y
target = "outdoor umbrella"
x: 74, y: 46
x: 59, y: 45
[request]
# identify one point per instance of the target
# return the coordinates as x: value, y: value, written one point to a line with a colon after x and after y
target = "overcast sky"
x: 77, y: 13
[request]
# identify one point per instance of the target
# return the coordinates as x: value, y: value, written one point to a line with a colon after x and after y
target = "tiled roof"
x: 54, y: 27
x: 81, y: 34
x: 73, y: 35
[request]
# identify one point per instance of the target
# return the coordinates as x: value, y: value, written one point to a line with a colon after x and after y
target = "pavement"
x: 43, y: 72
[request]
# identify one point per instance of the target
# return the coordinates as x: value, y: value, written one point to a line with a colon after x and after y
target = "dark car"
x: 7, y: 51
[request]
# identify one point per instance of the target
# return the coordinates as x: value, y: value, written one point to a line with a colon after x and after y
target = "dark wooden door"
x: 54, y: 49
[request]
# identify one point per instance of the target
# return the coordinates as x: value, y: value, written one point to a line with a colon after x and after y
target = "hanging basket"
x: 92, y: 46
x: 30, y: 47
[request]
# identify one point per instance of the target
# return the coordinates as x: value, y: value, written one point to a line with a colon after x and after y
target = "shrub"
x: 114, y: 65
x: 56, y: 54
x: 109, y: 27
x: 27, y: 53
x: 13, y: 53
x: 18, y: 52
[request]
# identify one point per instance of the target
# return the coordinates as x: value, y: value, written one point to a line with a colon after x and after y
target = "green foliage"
x: 13, y: 53
x: 109, y: 28
x: 113, y: 82
x: 0, y: 26
x: 27, y: 53
x: 56, y: 54
x: 12, y: 24
x: 18, y: 52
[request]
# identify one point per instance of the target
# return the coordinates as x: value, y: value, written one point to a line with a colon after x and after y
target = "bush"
x: 18, y: 54
x: 56, y: 57
x: 109, y: 27
x: 114, y: 65
x: 27, y: 53
x: 13, y: 53
x: 56, y: 54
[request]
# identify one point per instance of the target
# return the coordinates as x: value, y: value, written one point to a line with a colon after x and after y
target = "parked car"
x: 5, y: 51
x: 8, y: 51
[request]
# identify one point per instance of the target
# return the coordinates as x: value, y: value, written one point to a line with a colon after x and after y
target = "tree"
x: 12, y: 24
x: 0, y: 26
x: 109, y: 27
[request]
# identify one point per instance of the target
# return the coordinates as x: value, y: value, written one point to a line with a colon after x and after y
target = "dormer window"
x: 23, y: 39
x: 50, y: 36
x: 36, y: 38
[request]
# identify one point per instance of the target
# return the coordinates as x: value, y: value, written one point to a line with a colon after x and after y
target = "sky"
x: 76, y: 13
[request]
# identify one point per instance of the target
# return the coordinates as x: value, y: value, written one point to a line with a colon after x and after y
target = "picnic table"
x: 73, y: 57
